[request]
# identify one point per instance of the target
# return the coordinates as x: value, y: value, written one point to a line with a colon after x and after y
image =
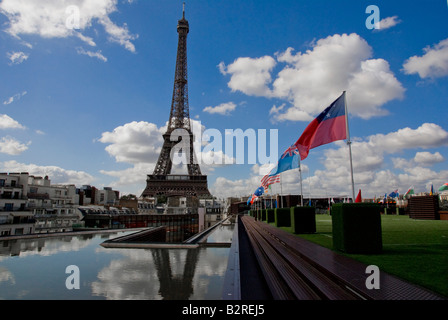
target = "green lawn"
x: 414, y: 250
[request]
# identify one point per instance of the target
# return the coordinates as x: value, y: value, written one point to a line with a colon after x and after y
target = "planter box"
x: 270, y: 215
x: 357, y: 227
x: 443, y: 215
x: 283, y: 217
x: 424, y: 207
x: 303, y: 220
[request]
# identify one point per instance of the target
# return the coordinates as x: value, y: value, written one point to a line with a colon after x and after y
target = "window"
x: 3, y: 219
x: 9, y: 206
x: 2, y: 182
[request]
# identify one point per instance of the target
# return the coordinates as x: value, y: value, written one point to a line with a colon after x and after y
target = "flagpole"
x: 281, y: 190
x: 349, y: 146
x: 301, y: 189
x: 309, y: 185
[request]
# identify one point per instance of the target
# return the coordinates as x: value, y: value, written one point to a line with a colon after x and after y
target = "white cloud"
x: 428, y: 135
x: 433, y: 64
x: 11, y: 146
x: 224, y: 187
x: 310, y: 81
x: 118, y: 34
x: 135, y: 142
x: 6, y: 122
x: 250, y: 76
x: 135, y: 175
x: 14, y: 97
x: 17, y: 57
x: 223, y: 108
x: 56, y: 174
x: 92, y: 54
x: 428, y: 158
x: 387, y: 23
x: 421, y: 159
x: 56, y: 19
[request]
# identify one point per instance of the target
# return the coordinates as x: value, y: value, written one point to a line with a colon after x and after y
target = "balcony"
x: 39, y: 196
x: 14, y: 186
x: 12, y: 196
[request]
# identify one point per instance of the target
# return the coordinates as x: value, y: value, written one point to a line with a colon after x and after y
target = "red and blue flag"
x: 329, y: 126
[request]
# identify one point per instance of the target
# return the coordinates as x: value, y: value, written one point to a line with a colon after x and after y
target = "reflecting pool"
x: 36, y: 269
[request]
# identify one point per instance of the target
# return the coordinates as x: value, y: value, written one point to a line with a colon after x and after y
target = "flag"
x: 289, y: 160
x: 394, y: 194
x: 410, y: 191
x: 259, y: 191
x: 329, y: 126
x: 444, y: 187
x: 253, y: 198
x: 431, y: 192
x: 358, y: 197
x: 267, y: 180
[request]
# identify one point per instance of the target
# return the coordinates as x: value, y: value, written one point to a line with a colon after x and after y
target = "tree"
x: 129, y: 197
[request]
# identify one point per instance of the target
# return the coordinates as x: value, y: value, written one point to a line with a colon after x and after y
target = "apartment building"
x: 31, y: 204
x: 14, y: 219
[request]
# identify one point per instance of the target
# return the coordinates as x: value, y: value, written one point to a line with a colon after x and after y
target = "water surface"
x: 35, y: 269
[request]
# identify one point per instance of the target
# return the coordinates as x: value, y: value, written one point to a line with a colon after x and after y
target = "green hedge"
x: 303, y: 219
x: 357, y: 227
x: 283, y: 217
x: 270, y: 215
x: 263, y: 215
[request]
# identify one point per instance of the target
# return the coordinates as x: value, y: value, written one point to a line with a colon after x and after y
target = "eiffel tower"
x: 178, y: 137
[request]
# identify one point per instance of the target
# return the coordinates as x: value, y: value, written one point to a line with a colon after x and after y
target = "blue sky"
x: 88, y: 105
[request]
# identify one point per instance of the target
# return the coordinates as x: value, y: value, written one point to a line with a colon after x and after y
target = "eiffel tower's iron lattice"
x: 162, y: 182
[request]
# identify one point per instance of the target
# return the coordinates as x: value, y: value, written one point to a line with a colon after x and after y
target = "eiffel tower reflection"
x: 175, y: 286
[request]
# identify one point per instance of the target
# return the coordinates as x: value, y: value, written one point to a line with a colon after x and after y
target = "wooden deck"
x: 295, y: 268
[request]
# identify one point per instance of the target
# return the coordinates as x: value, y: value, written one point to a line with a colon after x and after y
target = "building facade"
x: 32, y: 204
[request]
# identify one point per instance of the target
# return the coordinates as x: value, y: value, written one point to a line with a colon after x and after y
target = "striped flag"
x: 267, y: 180
x: 410, y: 191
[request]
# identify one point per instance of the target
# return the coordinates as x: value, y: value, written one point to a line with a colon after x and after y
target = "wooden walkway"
x: 295, y: 268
